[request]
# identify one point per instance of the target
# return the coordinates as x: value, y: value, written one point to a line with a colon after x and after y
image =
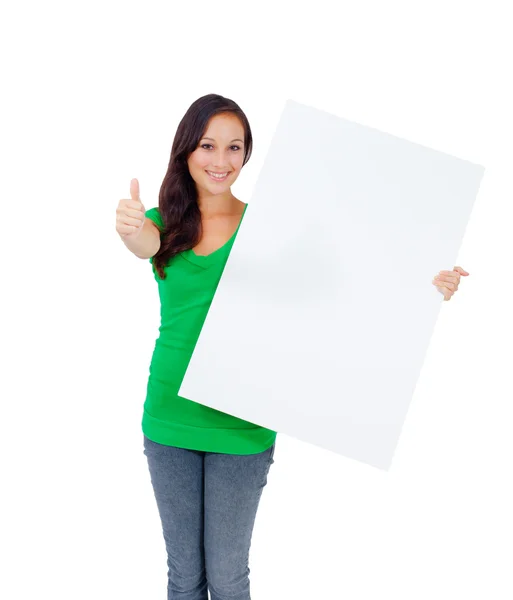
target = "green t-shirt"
x: 185, y: 298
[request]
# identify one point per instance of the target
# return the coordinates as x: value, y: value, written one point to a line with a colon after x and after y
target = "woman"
x: 208, y: 469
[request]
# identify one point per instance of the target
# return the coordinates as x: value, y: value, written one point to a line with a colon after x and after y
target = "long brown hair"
x: 178, y: 197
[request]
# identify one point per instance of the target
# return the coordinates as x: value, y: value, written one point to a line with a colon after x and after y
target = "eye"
x: 210, y: 145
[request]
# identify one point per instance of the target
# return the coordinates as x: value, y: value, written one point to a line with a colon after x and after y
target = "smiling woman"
x: 213, y: 142
x: 208, y: 468
x: 218, y: 156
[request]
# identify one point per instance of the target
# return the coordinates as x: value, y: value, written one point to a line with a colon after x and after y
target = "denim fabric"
x: 207, y: 504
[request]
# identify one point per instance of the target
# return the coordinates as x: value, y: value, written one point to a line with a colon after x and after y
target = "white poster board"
x: 324, y: 312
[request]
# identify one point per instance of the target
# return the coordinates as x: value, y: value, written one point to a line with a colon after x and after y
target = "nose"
x: 220, y: 159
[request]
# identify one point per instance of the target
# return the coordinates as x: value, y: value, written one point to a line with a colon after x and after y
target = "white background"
x: 92, y: 95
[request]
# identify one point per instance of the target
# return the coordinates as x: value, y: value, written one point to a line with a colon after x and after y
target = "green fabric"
x: 185, y: 298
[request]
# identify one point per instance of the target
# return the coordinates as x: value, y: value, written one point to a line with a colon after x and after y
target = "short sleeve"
x: 154, y: 215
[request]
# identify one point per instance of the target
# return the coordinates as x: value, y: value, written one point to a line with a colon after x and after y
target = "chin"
x: 214, y: 187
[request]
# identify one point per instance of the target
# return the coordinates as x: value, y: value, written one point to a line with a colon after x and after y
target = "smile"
x: 218, y: 176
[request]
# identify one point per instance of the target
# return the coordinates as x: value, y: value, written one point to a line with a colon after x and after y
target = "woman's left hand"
x: 447, y: 282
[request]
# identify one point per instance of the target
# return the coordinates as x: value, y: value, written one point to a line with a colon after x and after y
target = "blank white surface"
x: 325, y: 310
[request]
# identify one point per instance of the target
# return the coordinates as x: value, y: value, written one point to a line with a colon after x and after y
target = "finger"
x: 132, y: 211
x: 444, y: 291
x: 130, y: 217
x: 462, y: 271
x: 453, y: 278
x: 134, y: 190
x: 445, y: 284
x: 127, y: 229
x: 128, y: 204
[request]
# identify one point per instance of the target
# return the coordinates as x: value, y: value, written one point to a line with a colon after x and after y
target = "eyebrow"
x: 235, y: 140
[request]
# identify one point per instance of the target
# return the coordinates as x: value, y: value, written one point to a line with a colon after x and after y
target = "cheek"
x: 198, y: 161
x: 237, y: 161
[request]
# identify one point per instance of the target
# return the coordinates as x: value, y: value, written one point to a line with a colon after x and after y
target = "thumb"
x: 134, y: 190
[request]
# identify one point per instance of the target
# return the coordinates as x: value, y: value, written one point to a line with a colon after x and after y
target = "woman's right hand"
x: 130, y: 214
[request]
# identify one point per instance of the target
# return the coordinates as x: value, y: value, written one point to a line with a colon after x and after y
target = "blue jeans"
x: 207, y: 504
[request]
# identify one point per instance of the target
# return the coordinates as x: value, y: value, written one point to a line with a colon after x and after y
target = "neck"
x: 213, y: 205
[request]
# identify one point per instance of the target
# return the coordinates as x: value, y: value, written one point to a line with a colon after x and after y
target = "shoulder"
x: 154, y: 215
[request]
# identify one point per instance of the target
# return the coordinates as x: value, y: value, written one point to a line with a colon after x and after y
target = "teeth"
x: 218, y: 175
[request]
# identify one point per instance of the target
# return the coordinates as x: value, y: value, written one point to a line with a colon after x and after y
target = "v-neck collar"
x: 213, y: 257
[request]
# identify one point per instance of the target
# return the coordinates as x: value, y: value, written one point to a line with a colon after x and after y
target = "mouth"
x: 218, y: 176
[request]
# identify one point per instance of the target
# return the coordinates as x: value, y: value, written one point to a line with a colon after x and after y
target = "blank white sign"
x: 324, y: 312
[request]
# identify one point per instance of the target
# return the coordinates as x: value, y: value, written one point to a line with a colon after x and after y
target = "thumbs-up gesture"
x: 130, y: 214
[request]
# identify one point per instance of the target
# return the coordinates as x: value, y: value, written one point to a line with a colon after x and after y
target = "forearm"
x: 143, y: 243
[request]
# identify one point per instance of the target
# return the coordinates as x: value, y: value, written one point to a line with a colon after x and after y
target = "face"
x: 220, y: 152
